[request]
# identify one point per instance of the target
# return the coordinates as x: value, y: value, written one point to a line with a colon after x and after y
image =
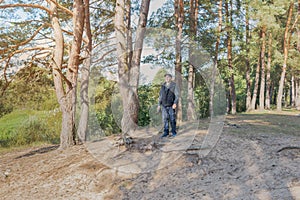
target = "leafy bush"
x: 202, y: 101
x: 27, y: 127
x: 31, y: 88
x: 5, y: 109
x: 31, y: 131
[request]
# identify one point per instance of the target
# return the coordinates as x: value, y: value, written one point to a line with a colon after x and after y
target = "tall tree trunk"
x: 67, y: 136
x: 193, y: 33
x: 254, y: 96
x: 215, y: 66
x: 72, y: 74
x: 179, y: 17
x: 123, y: 65
x: 248, y: 69
x: 297, y: 80
x: 85, y: 75
x: 128, y: 35
x: 285, y: 94
x: 135, y: 62
x: 129, y: 61
x: 56, y: 69
x: 229, y: 57
x: 67, y: 97
x: 285, y: 54
x: 262, y: 76
x: 274, y: 90
x: 228, y: 104
x: 268, y: 80
x: 298, y: 29
x: 297, y: 94
x: 292, y: 91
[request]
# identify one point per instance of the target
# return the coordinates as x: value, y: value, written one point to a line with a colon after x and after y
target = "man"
x: 168, y: 99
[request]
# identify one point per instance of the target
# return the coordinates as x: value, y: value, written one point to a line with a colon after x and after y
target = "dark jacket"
x: 168, y: 95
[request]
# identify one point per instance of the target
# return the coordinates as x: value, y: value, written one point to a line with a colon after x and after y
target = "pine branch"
x: 25, y: 6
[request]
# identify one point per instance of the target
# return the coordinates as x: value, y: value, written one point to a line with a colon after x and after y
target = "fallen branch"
x: 287, y: 148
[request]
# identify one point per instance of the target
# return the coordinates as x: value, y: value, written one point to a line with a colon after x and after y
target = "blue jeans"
x: 168, y: 115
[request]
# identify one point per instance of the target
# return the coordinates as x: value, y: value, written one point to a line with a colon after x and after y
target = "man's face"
x: 168, y: 79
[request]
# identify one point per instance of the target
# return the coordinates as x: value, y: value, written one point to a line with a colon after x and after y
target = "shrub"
x: 30, y: 127
x: 5, y: 109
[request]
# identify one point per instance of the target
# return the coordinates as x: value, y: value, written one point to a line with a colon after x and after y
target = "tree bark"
x: 85, y: 74
x: 268, y: 76
x: 262, y: 76
x: 123, y: 65
x: 285, y: 54
x: 273, y: 93
x: 193, y: 33
x: 229, y: 58
x: 57, y: 55
x: 66, y: 136
x: 128, y: 35
x: 67, y: 97
x: 248, y: 69
x: 129, y: 61
x: 215, y: 66
x: 69, y: 131
x: 297, y: 86
x: 298, y: 29
x: 135, y: 62
x: 297, y: 80
x: 254, y: 96
x: 179, y: 17
x: 292, y: 91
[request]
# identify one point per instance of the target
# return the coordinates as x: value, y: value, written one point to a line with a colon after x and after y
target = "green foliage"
x: 240, y: 88
x: 148, y: 97
x: 5, y: 109
x: 163, y: 18
x: 31, y: 88
x: 103, y: 98
x: 107, y: 121
x: 163, y: 41
x: 202, y: 101
x: 21, y: 123
x: 32, y: 130
x: 24, y: 127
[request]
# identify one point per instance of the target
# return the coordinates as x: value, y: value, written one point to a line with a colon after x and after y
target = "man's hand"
x: 158, y: 109
x: 174, y: 106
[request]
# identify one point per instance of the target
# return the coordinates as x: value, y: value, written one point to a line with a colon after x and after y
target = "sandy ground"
x: 253, y: 159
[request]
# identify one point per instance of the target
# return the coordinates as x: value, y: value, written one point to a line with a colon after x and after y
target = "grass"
x: 14, y: 119
x: 25, y: 127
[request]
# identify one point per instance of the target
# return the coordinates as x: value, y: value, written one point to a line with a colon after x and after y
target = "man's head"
x: 168, y: 78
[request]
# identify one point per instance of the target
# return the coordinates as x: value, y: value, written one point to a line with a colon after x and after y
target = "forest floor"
x: 257, y: 156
